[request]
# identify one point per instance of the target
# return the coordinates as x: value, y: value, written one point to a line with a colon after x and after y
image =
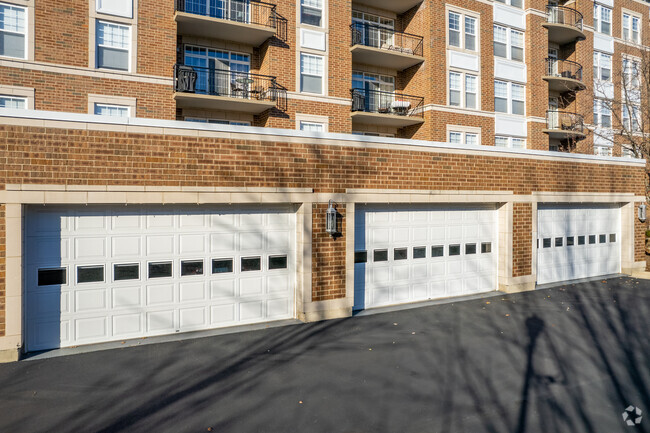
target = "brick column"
x: 328, y: 256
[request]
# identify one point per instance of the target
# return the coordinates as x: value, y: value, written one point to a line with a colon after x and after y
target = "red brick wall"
x: 61, y: 32
x: 156, y: 38
x: 522, y: 235
x: 327, y: 257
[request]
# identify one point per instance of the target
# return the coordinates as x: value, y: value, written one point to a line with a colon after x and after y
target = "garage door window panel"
x: 52, y: 277
x: 380, y: 256
x: 191, y: 267
x: 160, y: 269
x: 570, y: 241
x: 437, y: 251
x: 470, y: 248
x: 251, y: 264
x: 419, y: 252
x: 360, y: 256
x: 486, y: 247
x: 546, y: 243
x: 90, y: 274
x: 277, y: 262
x: 400, y: 254
x: 122, y: 272
x: 602, y: 239
x: 612, y: 237
x: 581, y: 240
x: 222, y: 266
x: 454, y: 250
x: 559, y: 242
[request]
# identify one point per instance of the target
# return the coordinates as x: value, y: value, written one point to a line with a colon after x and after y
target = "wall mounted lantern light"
x: 330, y: 222
x: 642, y: 213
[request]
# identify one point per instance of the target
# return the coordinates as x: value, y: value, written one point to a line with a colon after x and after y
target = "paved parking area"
x: 566, y: 359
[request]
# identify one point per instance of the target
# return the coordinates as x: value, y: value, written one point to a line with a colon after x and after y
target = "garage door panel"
x: 90, y: 300
x: 126, y: 246
x: 192, y: 244
x: 278, y: 284
x: 277, y: 307
x: 91, y: 328
x: 223, y: 314
x: 130, y: 223
x: 84, y: 222
x: 49, y: 250
x: 160, y: 221
x: 160, y: 245
x: 251, y: 286
x: 126, y: 325
x: 125, y: 297
x: 222, y: 289
x: 251, y: 311
x: 193, y: 318
x: 222, y: 242
x: 192, y: 291
x: 401, y: 272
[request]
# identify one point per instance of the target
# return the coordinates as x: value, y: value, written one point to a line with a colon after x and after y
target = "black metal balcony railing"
x: 375, y: 36
x: 376, y: 101
x: 565, y: 121
x: 230, y: 84
x: 563, y: 15
x: 563, y: 69
x: 241, y: 11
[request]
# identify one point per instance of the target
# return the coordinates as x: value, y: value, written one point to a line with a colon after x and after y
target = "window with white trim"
x: 631, y: 28
x: 632, y: 118
x: 509, y: 98
x: 113, y: 46
x: 462, y: 31
x: 603, y: 150
x: 511, y: 142
x: 217, y: 121
x: 602, y: 114
x: 602, y: 66
x: 8, y: 101
x: 311, y: 12
x: 627, y: 152
x: 602, y: 19
x: 463, y: 137
x: 13, y: 31
x: 508, y: 43
x: 463, y: 90
x: 311, y: 126
x: 631, y: 74
x: 112, y: 110
x: 311, y: 73
x: 514, y: 3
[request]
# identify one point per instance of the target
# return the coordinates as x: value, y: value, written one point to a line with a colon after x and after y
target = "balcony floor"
x: 385, y: 119
x: 563, y: 134
x: 399, y: 6
x: 217, y: 28
x: 384, y: 58
x: 563, y: 33
x: 563, y: 84
x: 242, y: 105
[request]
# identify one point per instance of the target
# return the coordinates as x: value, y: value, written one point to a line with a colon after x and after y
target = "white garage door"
x: 577, y: 242
x: 97, y: 274
x: 408, y: 254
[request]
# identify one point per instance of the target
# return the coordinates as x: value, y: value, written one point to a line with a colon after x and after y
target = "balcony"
x: 397, y: 6
x: 244, y: 21
x: 217, y: 89
x: 564, y: 25
x: 563, y: 125
x: 564, y: 75
x: 375, y: 107
x: 386, y: 48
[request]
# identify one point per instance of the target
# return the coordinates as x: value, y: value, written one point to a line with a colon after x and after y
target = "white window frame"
x: 509, y: 98
x: 28, y: 32
x: 26, y: 93
x: 627, y: 32
x: 322, y: 75
x: 628, y: 73
x: 510, y: 141
x: 600, y: 108
x: 15, y: 98
x: 630, y: 112
x: 129, y: 49
x: 602, y: 150
x: 598, y: 67
x: 463, y: 131
x: 462, y: 38
x: 463, y: 89
x: 509, y: 44
x: 99, y: 104
x: 510, y: 3
x: 301, y: 118
x: 301, y: 5
x: 121, y: 101
x: 599, y: 12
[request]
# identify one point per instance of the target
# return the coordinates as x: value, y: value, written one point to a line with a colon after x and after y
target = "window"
x: 112, y: 110
x: 602, y: 19
x: 249, y: 264
x: 631, y: 74
x: 113, y: 46
x: 486, y: 247
x: 463, y: 90
x: 631, y: 28
x: 602, y: 114
x: 462, y: 31
x: 631, y: 118
x: 509, y: 98
x: 311, y: 12
x: 7, y: 101
x: 221, y: 266
x: 581, y: 240
x: 461, y: 137
x: 513, y: 142
x: 570, y: 241
x: 380, y: 256
x: 51, y: 277
x: 508, y: 43
x: 360, y: 256
x: 129, y: 271
x: 160, y: 270
x: 90, y: 274
x: 312, y: 126
x: 400, y: 254
x: 373, y: 30
x: 419, y: 252
x: 515, y: 3
x: 123, y: 8
x: 311, y: 73
x: 628, y: 152
x: 437, y: 251
x: 191, y: 267
x: 277, y: 262
x: 470, y: 248
x: 602, y: 239
x: 558, y: 242
x: 602, y: 151
x: 454, y: 250
x: 612, y: 237
x: 546, y: 243
x: 592, y: 239
x: 13, y: 31
x: 602, y: 66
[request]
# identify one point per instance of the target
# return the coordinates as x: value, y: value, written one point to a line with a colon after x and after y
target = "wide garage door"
x: 97, y: 274
x: 577, y: 242
x: 407, y: 254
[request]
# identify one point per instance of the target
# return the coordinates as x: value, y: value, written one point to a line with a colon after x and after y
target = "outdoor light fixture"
x: 330, y: 223
x: 642, y: 213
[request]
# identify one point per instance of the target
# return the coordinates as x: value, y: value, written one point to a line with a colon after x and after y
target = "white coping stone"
x: 291, y: 134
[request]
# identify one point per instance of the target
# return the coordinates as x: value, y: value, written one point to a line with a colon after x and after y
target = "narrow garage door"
x: 98, y: 274
x: 577, y: 242
x: 407, y: 254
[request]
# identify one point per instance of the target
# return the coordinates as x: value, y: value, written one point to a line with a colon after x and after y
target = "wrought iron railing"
x: 565, y: 121
x: 374, y: 36
x: 241, y: 11
x: 563, y: 15
x: 376, y: 101
x: 230, y: 84
x: 563, y: 69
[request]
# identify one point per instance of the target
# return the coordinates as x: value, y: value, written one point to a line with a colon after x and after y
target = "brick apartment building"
x: 170, y: 165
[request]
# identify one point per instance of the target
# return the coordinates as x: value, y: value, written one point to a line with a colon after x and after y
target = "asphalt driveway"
x: 567, y: 359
